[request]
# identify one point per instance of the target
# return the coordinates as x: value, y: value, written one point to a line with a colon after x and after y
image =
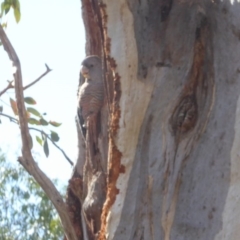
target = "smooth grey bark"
x: 173, y: 146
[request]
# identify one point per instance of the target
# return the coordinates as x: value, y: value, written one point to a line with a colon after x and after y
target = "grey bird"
x: 91, y: 92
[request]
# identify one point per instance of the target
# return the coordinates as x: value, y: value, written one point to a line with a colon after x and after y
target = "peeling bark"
x: 169, y: 135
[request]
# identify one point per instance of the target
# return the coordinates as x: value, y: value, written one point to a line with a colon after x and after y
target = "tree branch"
x: 47, y: 136
x: 10, y: 85
x: 12, y: 119
x: 27, y: 159
x: 39, y: 78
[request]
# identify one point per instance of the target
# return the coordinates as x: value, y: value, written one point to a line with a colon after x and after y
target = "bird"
x: 90, y: 94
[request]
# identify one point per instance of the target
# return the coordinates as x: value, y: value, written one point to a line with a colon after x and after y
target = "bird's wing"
x: 79, y: 110
x: 81, y: 122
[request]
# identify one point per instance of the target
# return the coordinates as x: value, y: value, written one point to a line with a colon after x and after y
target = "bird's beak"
x: 84, y: 71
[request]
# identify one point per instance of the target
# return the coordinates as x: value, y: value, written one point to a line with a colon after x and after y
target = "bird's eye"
x: 91, y: 65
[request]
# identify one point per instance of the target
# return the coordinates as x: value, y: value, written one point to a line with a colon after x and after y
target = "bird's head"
x: 91, y: 68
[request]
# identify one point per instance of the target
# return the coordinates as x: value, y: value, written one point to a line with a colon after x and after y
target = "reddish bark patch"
x: 114, y: 165
x: 92, y: 28
x: 114, y: 168
x: 107, y: 40
x: 112, y: 191
x: 122, y: 169
x: 95, y: 21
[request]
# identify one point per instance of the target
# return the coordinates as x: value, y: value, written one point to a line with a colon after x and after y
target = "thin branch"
x: 47, y: 136
x: 12, y: 119
x: 27, y: 159
x: 10, y: 85
x: 39, y: 78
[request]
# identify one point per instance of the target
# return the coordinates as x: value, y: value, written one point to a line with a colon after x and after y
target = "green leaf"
x: 20, y: 211
x: 26, y: 195
x: 55, y: 124
x: 31, y: 142
x: 33, y: 111
x: 14, y: 106
x: 1, y: 108
x: 33, y: 121
x: 15, y: 176
x: 54, y: 136
x: 39, y: 140
x: 29, y: 100
x: 2, y: 8
x: 6, y: 8
x: 17, y: 14
x: 15, y: 4
x: 24, y: 208
x: 43, y: 122
x: 45, y: 147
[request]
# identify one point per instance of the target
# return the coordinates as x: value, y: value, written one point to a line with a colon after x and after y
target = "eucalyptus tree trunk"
x: 170, y: 128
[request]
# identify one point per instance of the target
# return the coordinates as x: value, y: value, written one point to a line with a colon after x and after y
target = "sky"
x: 52, y: 32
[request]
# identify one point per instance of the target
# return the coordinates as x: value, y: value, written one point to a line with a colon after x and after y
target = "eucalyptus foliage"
x: 26, y: 213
